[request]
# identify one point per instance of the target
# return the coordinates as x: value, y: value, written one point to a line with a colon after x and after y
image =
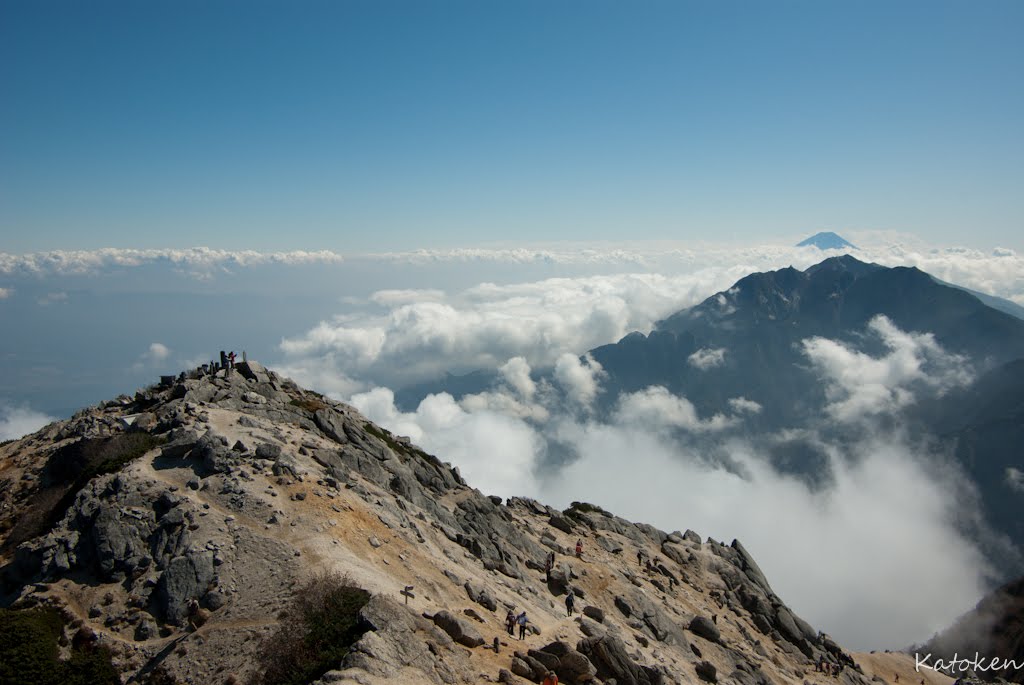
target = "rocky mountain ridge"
x: 174, y: 526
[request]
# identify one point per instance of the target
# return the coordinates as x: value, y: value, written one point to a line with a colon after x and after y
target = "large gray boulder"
x: 458, y: 630
x: 332, y: 423
x: 253, y: 371
x: 706, y: 628
x: 480, y: 596
x: 608, y: 655
x: 570, y: 665
x: 397, y: 638
x: 706, y: 671
x: 186, y: 578
x: 561, y: 523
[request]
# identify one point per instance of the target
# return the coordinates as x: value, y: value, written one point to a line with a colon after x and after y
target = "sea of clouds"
x: 876, y: 556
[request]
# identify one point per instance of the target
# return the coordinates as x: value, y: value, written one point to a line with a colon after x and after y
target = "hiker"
x: 547, y: 568
x: 579, y: 548
x: 510, y: 622
x: 521, y: 620
x: 898, y: 677
x: 231, y: 359
x: 570, y: 603
x: 640, y: 559
x: 550, y: 678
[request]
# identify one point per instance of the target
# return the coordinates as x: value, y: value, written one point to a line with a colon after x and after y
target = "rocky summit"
x: 175, y: 527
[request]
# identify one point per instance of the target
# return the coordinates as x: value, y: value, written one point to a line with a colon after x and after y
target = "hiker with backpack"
x: 570, y: 602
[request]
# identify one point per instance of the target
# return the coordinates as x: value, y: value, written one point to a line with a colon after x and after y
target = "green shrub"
x: 585, y: 508
x: 310, y: 404
x: 316, y: 633
x: 29, y: 654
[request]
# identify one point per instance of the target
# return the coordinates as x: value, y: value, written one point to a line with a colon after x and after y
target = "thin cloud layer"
x: 65, y: 262
x: 999, y: 271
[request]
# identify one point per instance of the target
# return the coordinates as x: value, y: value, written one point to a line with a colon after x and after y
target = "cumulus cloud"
x: 516, y: 373
x: 859, y: 385
x: 741, y: 405
x: 18, y: 421
x: 494, y: 452
x: 706, y: 358
x: 655, y: 407
x: 421, y: 338
x: 156, y: 354
x: 158, y: 351
x: 579, y: 378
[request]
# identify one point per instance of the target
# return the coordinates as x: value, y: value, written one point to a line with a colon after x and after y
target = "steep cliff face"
x: 215, y: 497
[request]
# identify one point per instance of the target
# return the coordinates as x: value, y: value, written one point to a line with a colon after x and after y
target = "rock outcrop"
x: 179, y: 539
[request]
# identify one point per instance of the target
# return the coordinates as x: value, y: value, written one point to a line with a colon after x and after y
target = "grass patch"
x: 316, y: 632
x: 29, y: 653
x: 585, y: 508
x: 385, y: 435
x: 310, y: 404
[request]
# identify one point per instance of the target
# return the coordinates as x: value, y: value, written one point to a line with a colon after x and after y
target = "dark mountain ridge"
x: 761, y: 321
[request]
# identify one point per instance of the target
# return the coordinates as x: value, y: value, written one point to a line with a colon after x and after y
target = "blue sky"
x: 373, y: 126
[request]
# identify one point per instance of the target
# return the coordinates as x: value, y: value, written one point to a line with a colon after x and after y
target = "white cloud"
x: 706, y: 358
x: 52, y: 298
x: 421, y: 338
x: 579, y: 378
x: 495, y: 453
x: 741, y: 405
x: 158, y: 351
x: 63, y: 262
x: 1015, y: 479
x: 859, y: 385
x: 16, y: 422
x: 5, y: 293
x: 516, y: 373
x: 999, y: 271
x: 655, y: 407
x: 400, y: 297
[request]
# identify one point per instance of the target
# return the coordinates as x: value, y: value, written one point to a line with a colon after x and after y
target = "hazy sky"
x: 372, y: 126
